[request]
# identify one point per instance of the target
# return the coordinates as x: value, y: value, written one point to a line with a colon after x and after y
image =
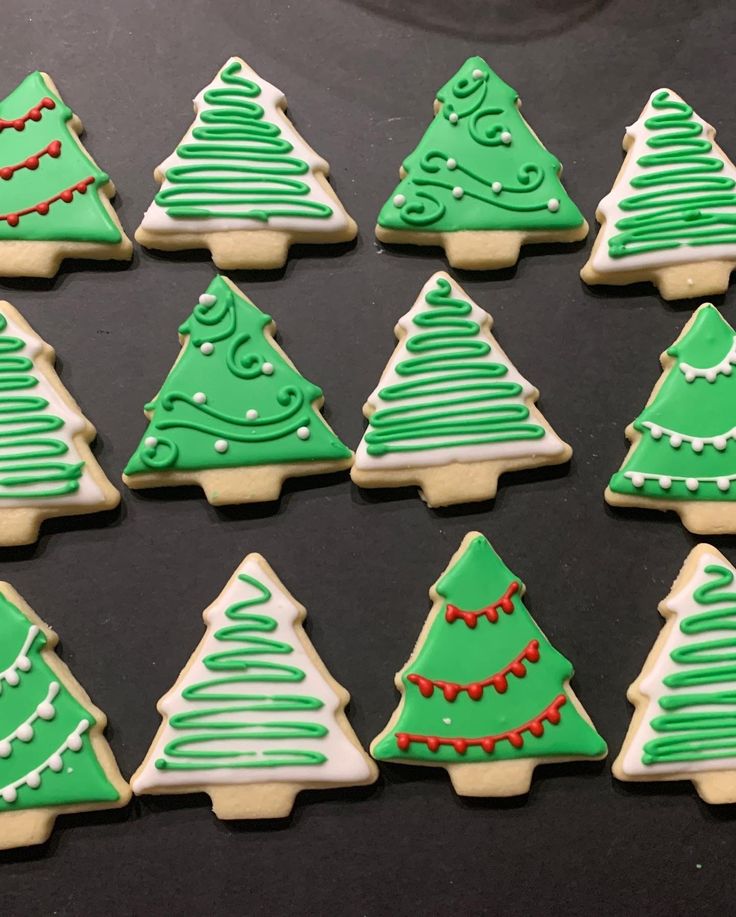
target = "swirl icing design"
x: 242, y: 165
x: 675, y: 200
x: 232, y: 399
x: 39, y: 461
x: 449, y: 392
x: 479, y: 166
x: 689, y: 724
x: 251, y: 700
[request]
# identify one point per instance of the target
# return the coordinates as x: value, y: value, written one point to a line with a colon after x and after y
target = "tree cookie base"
x: 495, y: 779
x: 480, y: 250
x: 25, y: 828
x: 233, y: 486
x: 43, y: 259
x: 677, y: 281
x: 263, y: 800
x: 706, y: 517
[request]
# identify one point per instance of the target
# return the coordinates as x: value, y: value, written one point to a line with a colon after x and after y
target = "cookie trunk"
x: 497, y: 778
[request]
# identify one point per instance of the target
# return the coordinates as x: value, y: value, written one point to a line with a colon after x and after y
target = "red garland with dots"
x: 42, y: 207
x: 33, y: 114
x: 505, y: 603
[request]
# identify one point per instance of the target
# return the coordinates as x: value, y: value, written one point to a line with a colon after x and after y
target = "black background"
x: 126, y: 590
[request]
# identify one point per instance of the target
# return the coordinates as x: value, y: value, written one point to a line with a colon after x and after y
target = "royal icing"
x: 449, y: 393
x: 675, y: 199
x: 49, y: 187
x: 479, y: 166
x: 688, y: 723
x: 46, y: 756
x: 40, y: 463
x: 241, y: 165
x: 687, y: 444
x: 484, y: 683
x: 232, y: 399
x: 251, y: 706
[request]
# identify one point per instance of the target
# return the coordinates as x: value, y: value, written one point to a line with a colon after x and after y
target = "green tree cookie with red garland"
x: 54, y: 199
x: 485, y: 694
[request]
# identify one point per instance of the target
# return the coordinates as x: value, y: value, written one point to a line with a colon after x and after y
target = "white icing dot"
x: 74, y: 741
x: 207, y: 348
x: 477, y: 74
x: 5, y: 749
x: 221, y: 445
x: 24, y: 664
x: 727, y: 369
x: 303, y: 433
x: 675, y: 440
x: 12, y: 678
x: 10, y: 794
x: 723, y: 484
x: 25, y: 732
x: 451, y: 164
x: 267, y: 369
x: 251, y: 414
x: 710, y: 375
x: 200, y: 397
x: 457, y: 192
x: 150, y: 442
x: 55, y: 763
x: 207, y: 299
x: 33, y: 780
x: 689, y: 375
x: 697, y: 445
x: 399, y: 200
x: 665, y: 482
x: 691, y: 484
x: 497, y: 187
x: 46, y: 710
x: 553, y: 205
x: 453, y: 117
x: 637, y: 479
x: 720, y: 442
x: 506, y: 137
x: 655, y: 431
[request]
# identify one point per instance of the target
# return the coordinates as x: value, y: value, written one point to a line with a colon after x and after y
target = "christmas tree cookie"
x: 54, y: 199
x: 53, y: 756
x: 683, y: 444
x: 234, y: 415
x: 451, y: 412
x: 684, y: 724
x: 254, y: 717
x: 242, y: 182
x: 670, y: 217
x: 480, y: 184
x: 484, y: 694
x: 46, y: 466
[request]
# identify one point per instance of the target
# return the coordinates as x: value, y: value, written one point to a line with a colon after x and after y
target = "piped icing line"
x: 21, y: 663
x: 52, y: 149
x: 24, y: 731
x: 665, y: 481
x: 42, y: 207
x: 711, y: 373
x: 489, y: 612
x: 696, y: 443
x: 33, y: 114
x: 54, y: 762
x: 550, y: 714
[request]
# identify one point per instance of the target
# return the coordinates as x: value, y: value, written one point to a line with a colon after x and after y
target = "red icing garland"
x: 53, y: 150
x: 488, y: 743
x: 43, y: 206
x: 499, y: 681
x: 452, y: 613
x: 33, y: 114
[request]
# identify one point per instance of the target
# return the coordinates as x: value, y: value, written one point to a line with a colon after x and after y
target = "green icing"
x: 479, y: 144
x: 699, y: 409
x: 238, y: 159
x: 210, y: 740
x: 682, y: 199
x: 77, y: 777
x: 709, y: 731
x: 456, y: 653
x: 241, y: 373
x: 452, y: 394
x: 30, y: 455
x: 41, y: 162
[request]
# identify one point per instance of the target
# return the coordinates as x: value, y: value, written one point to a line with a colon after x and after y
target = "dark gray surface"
x: 126, y: 592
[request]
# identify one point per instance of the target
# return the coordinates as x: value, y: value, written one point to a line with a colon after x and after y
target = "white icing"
x: 553, y: 205
x: 711, y: 373
x: 610, y: 207
x: 457, y: 192
x: 24, y: 731
x: 549, y: 444
x: 88, y: 492
x: 683, y: 605
x: 345, y: 763
x: 251, y: 414
x: 21, y: 663
x: 221, y: 445
x: 207, y: 348
x: 273, y: 102
x: 506, y: 137
x: 638, y: 478
x: 33, y: 778
x: 200, y: 397
x: 696, y: 443
x: 267, y: 369
x: 303, y: 433
x: 207, y: 299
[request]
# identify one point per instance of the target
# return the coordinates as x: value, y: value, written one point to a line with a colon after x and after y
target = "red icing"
x: 33, y: 114
x: 488, y: 743
x: 498, y: 682
x: 53, y: 150
x: 43, y: 206
x: 505, y: 603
